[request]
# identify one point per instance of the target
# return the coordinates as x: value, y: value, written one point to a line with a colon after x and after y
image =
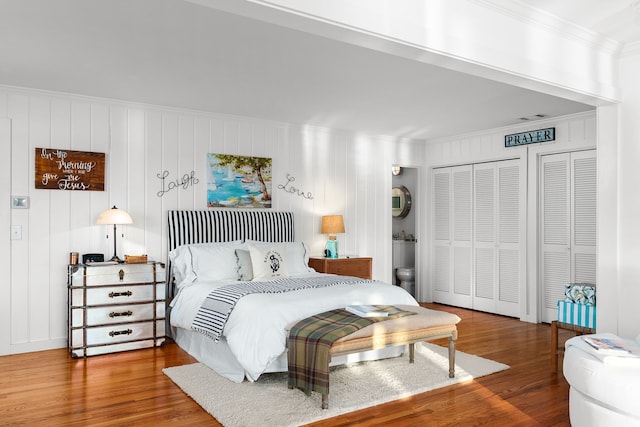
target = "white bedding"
x: 256, y: 331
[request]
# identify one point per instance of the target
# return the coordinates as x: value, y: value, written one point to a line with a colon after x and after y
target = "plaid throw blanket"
x: 216, y: 308
x: 310, y: 341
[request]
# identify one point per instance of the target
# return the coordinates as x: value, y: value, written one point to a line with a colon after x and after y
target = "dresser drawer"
x: 110, y: 295
x: 116, y: 274
x: 116, y: 314
x: 112, y: 348
x: 114, y: 334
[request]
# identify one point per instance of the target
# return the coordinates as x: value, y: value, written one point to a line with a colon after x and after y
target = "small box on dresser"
x: 115, y: 308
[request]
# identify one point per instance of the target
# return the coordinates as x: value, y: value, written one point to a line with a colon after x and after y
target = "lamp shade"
x: 332, y: 224
x: 114, y: 216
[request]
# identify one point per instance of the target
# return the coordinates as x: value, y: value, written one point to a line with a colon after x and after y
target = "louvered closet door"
x: 498, y: 237
x: 511, y: 238
x: 584, y: 197
x: 485, y: 230
x: 555, y: 226
x: 568, y: 224
x: 452, y: 235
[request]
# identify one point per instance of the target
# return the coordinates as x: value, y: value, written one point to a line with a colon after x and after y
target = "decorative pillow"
x: 245, y: 269
x: 182, y: 261
x: 268, y: 261
x: 296, y: 253
x: 580, y: 293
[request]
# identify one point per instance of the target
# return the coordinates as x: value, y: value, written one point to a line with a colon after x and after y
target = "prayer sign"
x: 530, y: 137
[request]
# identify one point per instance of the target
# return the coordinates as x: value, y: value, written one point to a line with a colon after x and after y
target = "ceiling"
x: 179, y: 54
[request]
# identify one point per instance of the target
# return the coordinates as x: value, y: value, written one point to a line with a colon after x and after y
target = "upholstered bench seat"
x: 425, y: 325
x: 401, y: 331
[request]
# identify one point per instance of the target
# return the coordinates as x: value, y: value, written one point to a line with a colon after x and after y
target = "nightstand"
x: 115, y: 307
x: 345, y: 266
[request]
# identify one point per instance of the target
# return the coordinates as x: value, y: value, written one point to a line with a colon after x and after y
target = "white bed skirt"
x: 218, y: 356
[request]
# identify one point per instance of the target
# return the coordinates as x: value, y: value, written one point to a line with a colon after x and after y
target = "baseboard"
x: 30, y: 347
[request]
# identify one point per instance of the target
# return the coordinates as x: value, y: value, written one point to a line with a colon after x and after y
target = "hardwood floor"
x: 50, y: 388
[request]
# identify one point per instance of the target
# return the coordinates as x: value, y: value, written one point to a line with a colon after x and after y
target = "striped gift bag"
x: 577, y: 314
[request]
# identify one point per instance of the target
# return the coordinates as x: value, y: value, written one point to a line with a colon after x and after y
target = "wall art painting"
x: 238, y: 181
x: 58, y: 169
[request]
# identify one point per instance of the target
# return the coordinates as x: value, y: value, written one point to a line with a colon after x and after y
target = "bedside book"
x: 613, y: 347
x: 366, y: 311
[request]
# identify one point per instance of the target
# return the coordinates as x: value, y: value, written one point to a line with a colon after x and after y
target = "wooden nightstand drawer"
x: 352, y: 266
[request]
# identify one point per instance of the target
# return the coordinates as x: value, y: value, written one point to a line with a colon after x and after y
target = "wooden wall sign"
x: 69, y: 170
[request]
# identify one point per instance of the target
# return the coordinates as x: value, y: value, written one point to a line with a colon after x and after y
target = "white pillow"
x: 297, y: 257
x: 182, y: 261
x: 180, y: 258
x: 214, y: 263
x: 297, y: 254
x: 268, y: 261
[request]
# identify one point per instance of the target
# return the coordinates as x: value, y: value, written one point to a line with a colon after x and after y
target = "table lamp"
x: 114, y: 216
x: 331, y: 225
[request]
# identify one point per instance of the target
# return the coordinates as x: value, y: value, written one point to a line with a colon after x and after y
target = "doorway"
x: 404, y: 191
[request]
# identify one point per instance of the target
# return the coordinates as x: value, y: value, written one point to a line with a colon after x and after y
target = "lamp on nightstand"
x: 331, y: 225
x: 114, y: 216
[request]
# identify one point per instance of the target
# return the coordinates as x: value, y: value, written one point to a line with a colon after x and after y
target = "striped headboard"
x: 187, y: 227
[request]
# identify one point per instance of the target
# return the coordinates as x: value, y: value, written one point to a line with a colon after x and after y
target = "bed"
x: 214, y: 250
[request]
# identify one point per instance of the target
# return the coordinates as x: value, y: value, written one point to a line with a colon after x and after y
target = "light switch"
x: 16, y: 232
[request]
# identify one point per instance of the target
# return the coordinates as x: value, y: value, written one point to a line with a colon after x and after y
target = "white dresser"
x: 115, y: 307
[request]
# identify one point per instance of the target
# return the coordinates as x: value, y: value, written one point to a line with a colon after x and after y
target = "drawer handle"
x: 120, y: 294
x: 121, y: 274
x: 123, y: 313
x: 125, y: 332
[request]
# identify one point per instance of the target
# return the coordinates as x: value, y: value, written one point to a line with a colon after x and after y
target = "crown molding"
x: 630, y: 49
x: 530, y: 15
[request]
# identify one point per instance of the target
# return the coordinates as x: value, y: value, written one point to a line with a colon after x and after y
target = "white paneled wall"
x: 342, y: 173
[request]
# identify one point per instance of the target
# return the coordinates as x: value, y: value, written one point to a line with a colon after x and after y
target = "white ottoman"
x: 605, y: 391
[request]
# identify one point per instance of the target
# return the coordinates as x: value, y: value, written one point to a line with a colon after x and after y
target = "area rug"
x: 269, y: 401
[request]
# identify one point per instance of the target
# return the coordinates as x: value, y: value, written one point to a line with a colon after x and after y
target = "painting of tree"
x: 239, y: 181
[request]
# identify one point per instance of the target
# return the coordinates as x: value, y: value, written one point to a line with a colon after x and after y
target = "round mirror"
x: 400, y: 201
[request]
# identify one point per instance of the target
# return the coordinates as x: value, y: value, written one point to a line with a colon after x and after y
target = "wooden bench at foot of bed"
x: 426, y: 325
